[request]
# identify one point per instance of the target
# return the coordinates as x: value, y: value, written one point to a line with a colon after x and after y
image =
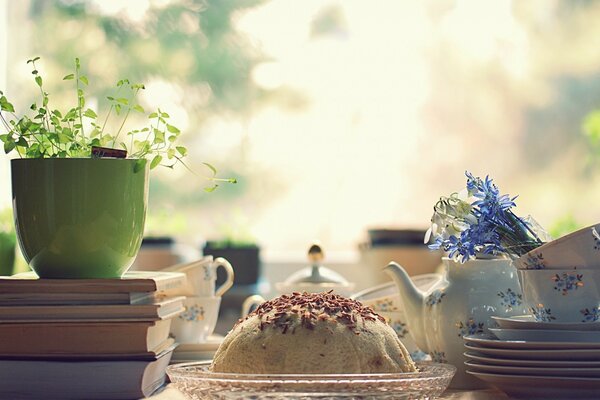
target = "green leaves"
x: 9, y: 145
x: 182, y: 150
x: 139, y: 165
x: 90, y: 113
x: 155, y: 161
x: 5, y: 105
x: 213, y: 169
x: 172, y: 129
x: 49, y: 132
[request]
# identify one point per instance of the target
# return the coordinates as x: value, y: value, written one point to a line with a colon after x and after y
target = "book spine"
x: 67, y: 338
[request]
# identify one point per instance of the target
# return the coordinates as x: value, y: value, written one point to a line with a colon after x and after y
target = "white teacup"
x: 397, y: 321
x: 202, y: 277
x: 580, y: 249
x: 562, y: 295
x: 385, y: 297
x: 198, y: 320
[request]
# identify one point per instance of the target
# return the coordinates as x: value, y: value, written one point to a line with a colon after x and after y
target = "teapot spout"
x: 413, y: 303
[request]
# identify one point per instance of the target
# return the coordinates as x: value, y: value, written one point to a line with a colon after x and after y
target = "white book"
x: 164, y: 308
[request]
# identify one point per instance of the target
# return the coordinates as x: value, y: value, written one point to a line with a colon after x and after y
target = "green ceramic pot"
x: 79, y: 217
x: 7, y: 253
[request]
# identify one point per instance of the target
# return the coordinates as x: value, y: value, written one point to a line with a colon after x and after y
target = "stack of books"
x: 93, y: 338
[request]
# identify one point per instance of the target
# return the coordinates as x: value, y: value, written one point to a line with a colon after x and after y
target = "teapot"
x: 461, y: 303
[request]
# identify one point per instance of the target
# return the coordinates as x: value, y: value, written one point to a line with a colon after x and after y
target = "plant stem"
x: 106, y: 120
x: 121, y: 127
x: 78, y: 99
x: 125, y: 119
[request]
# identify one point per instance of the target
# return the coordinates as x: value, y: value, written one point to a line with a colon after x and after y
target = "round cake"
x: 312, y: 333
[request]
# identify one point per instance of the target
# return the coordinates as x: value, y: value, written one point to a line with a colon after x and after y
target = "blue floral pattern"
x: 567, y: 282
x: 435, y: 298
x: 596, y: 238
x: 400, y: 328
x: 192, y: 313
x: 207, y: 272
x: 470, y: 327
x: 438, y: 357
x: 510, y: 299
x: 419, y: 355
x: 590, y: 315
x: 535, y: 261
x: 542, y: 314
x: 385, y: 305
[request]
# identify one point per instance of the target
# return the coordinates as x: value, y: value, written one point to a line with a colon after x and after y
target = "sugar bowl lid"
x: 315, y: 277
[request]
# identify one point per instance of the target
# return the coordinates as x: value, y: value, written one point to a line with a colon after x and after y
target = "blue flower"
x: 489, y: 200
x: 460, y: 247
x: 485, y: 226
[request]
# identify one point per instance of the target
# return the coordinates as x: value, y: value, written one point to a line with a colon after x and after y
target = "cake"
x: 312, y: 333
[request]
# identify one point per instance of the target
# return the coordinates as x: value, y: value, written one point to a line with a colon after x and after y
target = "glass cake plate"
x: 197, y: 382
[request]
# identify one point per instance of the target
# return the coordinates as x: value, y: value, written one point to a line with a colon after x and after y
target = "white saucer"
x: 186, y: 352
x: 537, y: 371
x: 485, y: 340
x: 529, y: 322
x: 531, y: 363
x: 538, y: 387
x: 539, y: 335
x: 539, y: 354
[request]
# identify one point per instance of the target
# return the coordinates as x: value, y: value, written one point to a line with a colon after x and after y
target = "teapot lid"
x: 315, y: 272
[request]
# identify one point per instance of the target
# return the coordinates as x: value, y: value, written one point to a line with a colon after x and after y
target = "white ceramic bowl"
x: 385, y: 297
x: 562, y: 295
x: 580, y: 249
x: 398, y: 322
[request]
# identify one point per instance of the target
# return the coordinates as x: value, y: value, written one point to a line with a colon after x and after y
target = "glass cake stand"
x: 197, y: 382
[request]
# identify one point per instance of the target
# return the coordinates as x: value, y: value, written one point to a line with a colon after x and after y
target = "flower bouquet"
x: 479, y: 222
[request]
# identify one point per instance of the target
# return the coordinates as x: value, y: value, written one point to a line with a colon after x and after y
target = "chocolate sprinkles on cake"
x: 310, y: 308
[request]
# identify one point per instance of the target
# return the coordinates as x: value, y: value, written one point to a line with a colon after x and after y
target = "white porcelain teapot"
x: 462, y: 302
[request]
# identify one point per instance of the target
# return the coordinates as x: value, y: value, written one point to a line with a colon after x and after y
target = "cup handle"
x: 254, y: 300
x: 221, y: 262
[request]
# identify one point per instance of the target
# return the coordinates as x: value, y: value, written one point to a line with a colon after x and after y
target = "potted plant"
x: 80, y: 192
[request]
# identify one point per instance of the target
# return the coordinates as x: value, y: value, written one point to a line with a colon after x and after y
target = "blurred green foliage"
x: 591, y: 129
x: 564, y: 225
x: 192, y: 46
x: 190, y: 42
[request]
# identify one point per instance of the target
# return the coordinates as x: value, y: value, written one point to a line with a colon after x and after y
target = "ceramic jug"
x: 462, y: 302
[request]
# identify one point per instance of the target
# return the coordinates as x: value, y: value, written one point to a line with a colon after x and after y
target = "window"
x: 336, y: 116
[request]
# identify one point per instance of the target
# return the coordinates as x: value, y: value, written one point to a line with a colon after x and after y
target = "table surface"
x: 170, y: 393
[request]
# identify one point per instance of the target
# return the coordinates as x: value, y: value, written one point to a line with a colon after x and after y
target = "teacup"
x: 580, y: 249
x: 202, y: 277
x: 198, y: 320
x: 385, y: 297
x: 562, y: 295
x: 398, y: 323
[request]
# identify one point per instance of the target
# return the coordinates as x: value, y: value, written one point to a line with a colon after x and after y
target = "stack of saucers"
x: 527, y: 358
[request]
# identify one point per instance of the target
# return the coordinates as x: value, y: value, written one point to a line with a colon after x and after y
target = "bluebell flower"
x: 460, y: 248
x: 437, y: 244
x: 485, y: 226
